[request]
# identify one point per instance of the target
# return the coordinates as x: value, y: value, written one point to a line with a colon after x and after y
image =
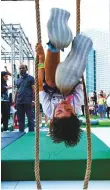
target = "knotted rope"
x: 37, y: 170
x: 89, y: 152
x: 88, y: 169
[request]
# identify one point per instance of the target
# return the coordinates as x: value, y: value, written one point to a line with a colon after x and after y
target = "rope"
x: 37, y: 170
x: 89, y: 152
x: 88, y: 169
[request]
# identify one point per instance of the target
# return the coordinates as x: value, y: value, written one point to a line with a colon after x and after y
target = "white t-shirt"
x: 50, y: 102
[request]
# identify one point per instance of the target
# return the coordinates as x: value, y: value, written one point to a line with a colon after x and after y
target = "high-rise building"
x: 101, y: 44
x: 95, y: 23
x: 91, y: 72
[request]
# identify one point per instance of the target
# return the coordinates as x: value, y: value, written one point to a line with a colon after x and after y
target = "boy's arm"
x: 41, y: 56
x: 45, y: 101
x: 78, y: 96
x: 43, y: 96
x: 41, y: 78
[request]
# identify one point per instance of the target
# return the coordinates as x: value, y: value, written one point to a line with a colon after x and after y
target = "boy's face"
x: 64, y: 109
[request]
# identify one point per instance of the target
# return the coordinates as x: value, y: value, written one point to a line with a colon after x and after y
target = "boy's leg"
x: 51, y: 62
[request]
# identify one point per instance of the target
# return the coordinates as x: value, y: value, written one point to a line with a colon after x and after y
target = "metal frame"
x: 20, y: 47
x: 13, y: 33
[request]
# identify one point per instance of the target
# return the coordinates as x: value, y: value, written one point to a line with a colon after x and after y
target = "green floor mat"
x: 56, y: 161
x: 104, y: 122
x: 95, y: 126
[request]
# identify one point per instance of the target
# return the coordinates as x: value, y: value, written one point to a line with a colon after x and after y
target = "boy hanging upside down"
x: 61, y: 109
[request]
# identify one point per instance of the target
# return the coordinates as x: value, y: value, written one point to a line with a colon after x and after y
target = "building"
x: 101, y: 44
x: 91, y: 72
x: 95, y: 23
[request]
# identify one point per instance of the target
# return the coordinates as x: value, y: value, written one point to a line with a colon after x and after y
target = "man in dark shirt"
x: 24, y: 99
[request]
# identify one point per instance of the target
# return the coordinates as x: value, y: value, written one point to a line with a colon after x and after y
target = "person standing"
x: 82, y: 107
x: 108, y: 105
x: 91, y: 105
x: 5, y: 104
x: 101, y: 106
x: 95, y: 102
x: 24, y: 99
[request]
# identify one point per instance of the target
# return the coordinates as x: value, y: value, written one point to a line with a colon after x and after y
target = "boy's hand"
x: 40, y: 53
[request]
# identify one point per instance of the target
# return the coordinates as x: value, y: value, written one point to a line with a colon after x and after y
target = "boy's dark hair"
x: 67, y: 130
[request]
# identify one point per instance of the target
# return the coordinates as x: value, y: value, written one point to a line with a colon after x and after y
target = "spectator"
x: 82, y: 107
x: 108, y: 105
x: 24, y: 99
x: 5, y: 104
x: 101, y: 92
x: 91, y: 106
x: 101, y: 106
x: 40, y: 116
x: 95, y: 102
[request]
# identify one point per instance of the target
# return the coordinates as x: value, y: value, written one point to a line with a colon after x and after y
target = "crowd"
x: 99, y: 103
x: 23, y: 101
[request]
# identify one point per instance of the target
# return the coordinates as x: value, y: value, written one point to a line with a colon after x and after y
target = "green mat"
x: 56, y: 161
x: 95, y: 126
x: 104, y: 122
